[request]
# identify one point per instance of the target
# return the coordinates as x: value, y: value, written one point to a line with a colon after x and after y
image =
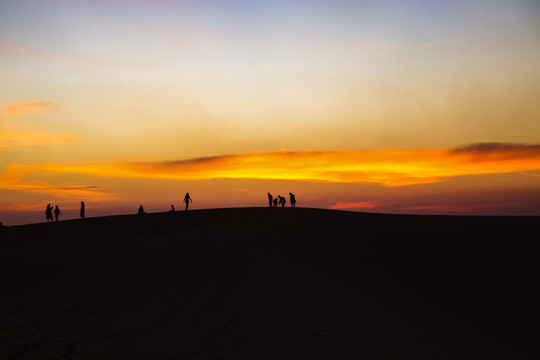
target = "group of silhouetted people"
x: 187, y: 200
x: 280, y: 200
x: 272, y: 202
x: 49, y: 211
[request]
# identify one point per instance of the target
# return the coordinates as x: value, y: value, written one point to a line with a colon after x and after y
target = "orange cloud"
x: 93, y: 192
x: 13, y: 179
x: 388, y: 167
x: 354, y: 205
x: 486, y: 207
x: 27, y: 108
x: 18, y: 138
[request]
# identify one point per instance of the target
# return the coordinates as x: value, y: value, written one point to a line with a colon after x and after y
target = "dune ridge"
x: 260, y: 283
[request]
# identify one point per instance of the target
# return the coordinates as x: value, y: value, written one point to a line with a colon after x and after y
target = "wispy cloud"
x: 8, y: 74
x: 21, y: 138
x: 355, y: 205
x: 388, y: 46
x: 387, y: 167
x: 485, y: 207
x: 14, y: 179
x: 481, y: 151
x: 530, y: 174
x: 378, y: 45
x: 31, y: 51
x: 22, y: 109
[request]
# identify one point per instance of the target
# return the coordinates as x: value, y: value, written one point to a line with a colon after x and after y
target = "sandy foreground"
x: 264, y: 283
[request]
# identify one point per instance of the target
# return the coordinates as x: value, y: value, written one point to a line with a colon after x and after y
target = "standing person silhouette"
x: 57, y: 212
x: 82, y: 210
x: 292, y: 199
x: 270, y: 199
x: 172, y: 208
x: 187, y: 199
x: 141, y: 210
x: 48, y: 213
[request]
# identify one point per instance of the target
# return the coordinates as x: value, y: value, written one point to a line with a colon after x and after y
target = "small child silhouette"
x: 57, y: 212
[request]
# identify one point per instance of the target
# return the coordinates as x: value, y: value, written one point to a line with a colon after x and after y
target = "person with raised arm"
x: 187, y: 199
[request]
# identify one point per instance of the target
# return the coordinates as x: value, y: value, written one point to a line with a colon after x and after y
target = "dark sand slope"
x: 271, y: 284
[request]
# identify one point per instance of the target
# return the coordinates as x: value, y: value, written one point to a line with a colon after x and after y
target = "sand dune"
x: 264, y: 283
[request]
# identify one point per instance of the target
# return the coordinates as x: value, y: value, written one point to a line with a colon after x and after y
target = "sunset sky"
x: 416, y: 106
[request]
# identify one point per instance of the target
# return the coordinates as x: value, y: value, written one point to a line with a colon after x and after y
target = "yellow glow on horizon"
x: 387, y: 167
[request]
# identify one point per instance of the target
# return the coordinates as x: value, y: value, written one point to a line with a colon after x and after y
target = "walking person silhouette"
x: 187, y: 199
x: 48, y: 213
x: 292, y: 199
x: 270, y: 199
x: 57, y: 212
x: 82, y: 210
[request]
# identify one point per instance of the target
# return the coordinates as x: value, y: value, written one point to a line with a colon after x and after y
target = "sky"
x: 420, y: 107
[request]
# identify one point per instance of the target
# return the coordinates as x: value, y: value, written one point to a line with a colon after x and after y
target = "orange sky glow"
x: 387, y: 167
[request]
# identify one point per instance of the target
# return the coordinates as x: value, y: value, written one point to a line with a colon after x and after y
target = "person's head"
x: 290, y: 193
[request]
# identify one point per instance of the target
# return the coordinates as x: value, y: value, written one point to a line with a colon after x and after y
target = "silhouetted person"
x: 270, y: 199
x: 282, y: 200
x: 1, y: 225
x: 57, y: 212
x: 187, y: 199
x: 82, y: 210
x: 275, y: 202
x: 48, y: 213
x: 140, y: 211
x: 172, y: 208
x: 293, y: 199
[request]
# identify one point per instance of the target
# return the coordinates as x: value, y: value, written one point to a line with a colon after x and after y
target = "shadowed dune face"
x: 270, y: 283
